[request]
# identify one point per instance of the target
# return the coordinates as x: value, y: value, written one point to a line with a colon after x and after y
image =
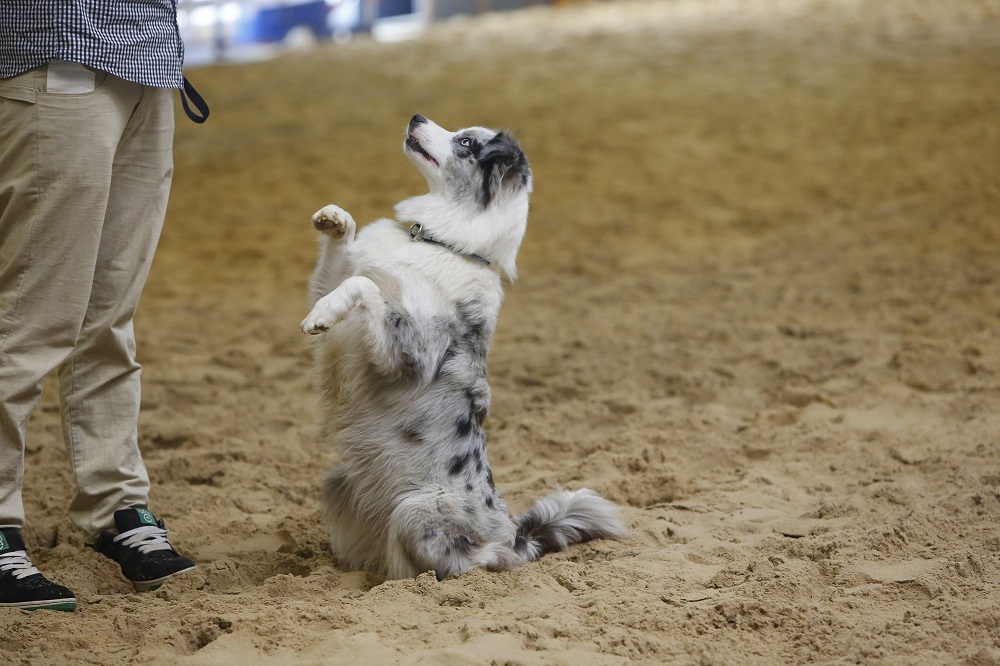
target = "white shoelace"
x: 17, y: 562
x: 146, y: 538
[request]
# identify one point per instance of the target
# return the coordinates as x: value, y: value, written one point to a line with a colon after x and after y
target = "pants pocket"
x: 23, y: 87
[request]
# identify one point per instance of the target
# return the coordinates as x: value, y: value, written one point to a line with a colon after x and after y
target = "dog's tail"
x: 563, y: 518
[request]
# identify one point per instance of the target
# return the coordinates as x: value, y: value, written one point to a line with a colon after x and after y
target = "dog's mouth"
x: 414, y: 145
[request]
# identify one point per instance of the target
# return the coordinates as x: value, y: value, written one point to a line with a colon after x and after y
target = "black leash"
x: 417, y: 234
x: 196, y: 99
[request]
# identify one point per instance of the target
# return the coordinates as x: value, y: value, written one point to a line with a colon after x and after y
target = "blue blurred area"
x: 216, y: 30
x: 387, y: 8
x: 272, y: 24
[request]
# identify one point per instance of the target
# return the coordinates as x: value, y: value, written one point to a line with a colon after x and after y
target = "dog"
x: 405, y: 318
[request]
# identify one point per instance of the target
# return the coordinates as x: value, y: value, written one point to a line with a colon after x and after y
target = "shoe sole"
x: 49, y: 604
x: 150, y: 585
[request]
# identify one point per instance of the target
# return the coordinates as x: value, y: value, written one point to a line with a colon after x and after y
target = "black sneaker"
x: 141, y: 549
x: 21, y: 584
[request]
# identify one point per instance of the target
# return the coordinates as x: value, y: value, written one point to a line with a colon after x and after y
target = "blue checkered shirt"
x: 137, y: 40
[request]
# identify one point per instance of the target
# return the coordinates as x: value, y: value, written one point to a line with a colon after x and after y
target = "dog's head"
x: 475, y: 166
x: 479, y: 182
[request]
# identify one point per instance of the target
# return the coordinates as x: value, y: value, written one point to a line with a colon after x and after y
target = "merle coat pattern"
x: 404, y: 334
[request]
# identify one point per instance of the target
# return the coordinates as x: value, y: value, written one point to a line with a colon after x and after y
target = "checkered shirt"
x: 136, y: 40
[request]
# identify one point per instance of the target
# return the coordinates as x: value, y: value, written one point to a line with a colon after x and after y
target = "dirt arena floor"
x: 759, y: 308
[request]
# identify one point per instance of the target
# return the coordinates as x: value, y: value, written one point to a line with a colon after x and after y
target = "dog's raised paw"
x: 314, y: 325
x: 334, y: 221
x: 328, y: 311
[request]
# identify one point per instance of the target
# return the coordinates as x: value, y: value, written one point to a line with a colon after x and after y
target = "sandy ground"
x: 759, y: 307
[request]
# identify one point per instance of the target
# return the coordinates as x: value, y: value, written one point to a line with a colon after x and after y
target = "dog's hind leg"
x: 352, y: 541
x: 441, y: 531
x: 337, y: 227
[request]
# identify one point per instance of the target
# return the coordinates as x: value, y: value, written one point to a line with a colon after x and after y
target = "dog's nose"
x: 416, y: 120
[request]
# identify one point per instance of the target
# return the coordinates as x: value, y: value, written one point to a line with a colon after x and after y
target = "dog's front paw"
x: 328, y: 311
x: 334, y: 221
x: 356, y: 291
x: 315, y: 323
x: 313, y: 326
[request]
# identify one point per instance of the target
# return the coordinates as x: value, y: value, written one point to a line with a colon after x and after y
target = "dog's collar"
x: 417, y: 234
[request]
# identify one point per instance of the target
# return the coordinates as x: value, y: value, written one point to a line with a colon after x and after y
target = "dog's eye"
x: 467, y: 142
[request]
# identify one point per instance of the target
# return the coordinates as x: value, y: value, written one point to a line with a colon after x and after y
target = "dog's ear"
x: 503, y: 164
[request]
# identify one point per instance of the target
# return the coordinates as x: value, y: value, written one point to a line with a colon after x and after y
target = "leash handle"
x: 196, y: 99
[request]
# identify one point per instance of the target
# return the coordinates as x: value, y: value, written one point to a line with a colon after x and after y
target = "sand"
x: 758, y: 307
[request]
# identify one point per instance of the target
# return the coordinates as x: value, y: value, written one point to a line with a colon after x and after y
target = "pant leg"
x: 100, y: 380
x: 56, y: 156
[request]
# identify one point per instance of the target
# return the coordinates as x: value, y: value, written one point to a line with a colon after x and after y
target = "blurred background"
x: 217, y: 30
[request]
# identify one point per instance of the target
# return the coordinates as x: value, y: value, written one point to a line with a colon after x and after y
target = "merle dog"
x: 405, y: 318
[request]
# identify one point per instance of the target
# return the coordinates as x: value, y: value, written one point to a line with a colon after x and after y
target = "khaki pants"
x: 84, y: 180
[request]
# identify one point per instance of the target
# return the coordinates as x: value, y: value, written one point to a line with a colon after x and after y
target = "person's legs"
x: 84, y: 180
x: 100, y: 380
x: 56, y: 155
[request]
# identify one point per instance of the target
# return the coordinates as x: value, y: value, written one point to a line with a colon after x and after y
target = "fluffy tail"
x: 566, y: 517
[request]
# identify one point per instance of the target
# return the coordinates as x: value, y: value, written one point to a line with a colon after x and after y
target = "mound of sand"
x: 759, y: 307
